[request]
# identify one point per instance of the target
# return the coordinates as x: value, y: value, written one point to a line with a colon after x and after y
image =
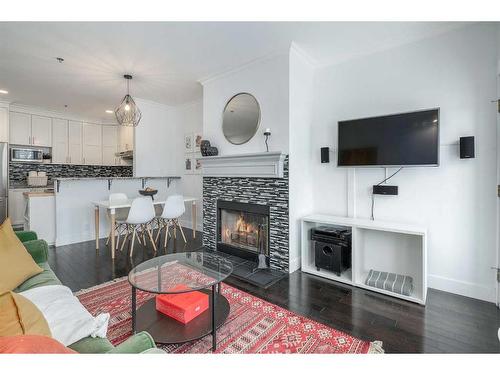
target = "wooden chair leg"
x: 160, y: 227
x: 151, y: 238
x: 127, y: 235
x: 132, y: 243
x: 166, y: 234
x: 182, y: 232
x: 143, y: 232
x: 118, y: 232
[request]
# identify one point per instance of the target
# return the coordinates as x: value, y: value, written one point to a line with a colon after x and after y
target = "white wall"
x: 301, y: 153
x: 456, y: 201
x: 191, y: 120
x: 265, y: 79
x: 157, y: 139
x: 159, y: 148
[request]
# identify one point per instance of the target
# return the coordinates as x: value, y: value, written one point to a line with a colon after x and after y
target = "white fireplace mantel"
x: 265, y: 164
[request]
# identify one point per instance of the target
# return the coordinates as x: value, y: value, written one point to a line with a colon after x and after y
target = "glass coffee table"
x: 186, y: 272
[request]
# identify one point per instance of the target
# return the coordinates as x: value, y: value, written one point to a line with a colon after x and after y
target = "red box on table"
x: 182, y: 307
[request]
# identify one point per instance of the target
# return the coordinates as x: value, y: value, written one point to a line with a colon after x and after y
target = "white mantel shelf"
x: 265, y: 164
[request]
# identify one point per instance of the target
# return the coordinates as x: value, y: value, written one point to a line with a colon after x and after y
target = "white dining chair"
x: 174, y: 208
x: 141, y: 213
x: 120, y: 215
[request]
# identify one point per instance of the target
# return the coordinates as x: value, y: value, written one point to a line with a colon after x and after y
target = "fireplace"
x: 243, y: 229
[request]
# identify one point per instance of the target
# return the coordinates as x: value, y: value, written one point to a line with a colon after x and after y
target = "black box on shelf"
x: 332, y: 248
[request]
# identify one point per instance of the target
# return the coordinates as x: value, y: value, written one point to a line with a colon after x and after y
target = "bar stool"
x: 173, y: 209
x: 140, y: 215
x: 120, y: 215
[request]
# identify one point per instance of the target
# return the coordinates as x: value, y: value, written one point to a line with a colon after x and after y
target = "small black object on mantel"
x: 267, y: 134
x: 207, y: 150
x: 467, y: 149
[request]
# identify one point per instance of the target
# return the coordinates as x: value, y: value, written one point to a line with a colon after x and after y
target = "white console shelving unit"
x: 378, y: 245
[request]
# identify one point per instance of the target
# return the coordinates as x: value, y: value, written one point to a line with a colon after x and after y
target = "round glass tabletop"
x: 180, y: 272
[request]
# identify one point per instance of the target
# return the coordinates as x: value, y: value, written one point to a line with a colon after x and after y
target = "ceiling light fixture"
x: 4, y: 92
x: 109, y: 111
x: 127, y: 113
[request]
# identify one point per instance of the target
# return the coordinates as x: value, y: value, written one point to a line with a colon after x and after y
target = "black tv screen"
x: 404, y: 139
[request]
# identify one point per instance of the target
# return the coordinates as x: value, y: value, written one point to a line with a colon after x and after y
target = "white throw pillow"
x: 68, y: 320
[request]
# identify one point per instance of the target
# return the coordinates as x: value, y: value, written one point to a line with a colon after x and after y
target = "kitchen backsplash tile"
x: 19, y: 171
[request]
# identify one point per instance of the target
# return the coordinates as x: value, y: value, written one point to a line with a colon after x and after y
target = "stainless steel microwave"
x: 30, y: 155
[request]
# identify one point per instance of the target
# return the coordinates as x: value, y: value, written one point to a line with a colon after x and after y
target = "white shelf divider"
x: 385, y: 246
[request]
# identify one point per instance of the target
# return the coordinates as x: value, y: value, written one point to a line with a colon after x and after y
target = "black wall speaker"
x: 467, y: 148
x: 325, y: 154
x: 385, y: 189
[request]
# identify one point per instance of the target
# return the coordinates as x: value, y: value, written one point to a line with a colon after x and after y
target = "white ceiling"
x: 167, y: 59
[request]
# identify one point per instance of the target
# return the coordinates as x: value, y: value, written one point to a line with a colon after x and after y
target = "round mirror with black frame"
x: 241, y: 118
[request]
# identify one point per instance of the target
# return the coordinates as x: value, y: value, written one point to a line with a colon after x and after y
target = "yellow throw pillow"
x: 16, y: 264
x: 19, y: 316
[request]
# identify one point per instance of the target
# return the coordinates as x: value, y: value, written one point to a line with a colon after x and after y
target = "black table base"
x: 166, y: 330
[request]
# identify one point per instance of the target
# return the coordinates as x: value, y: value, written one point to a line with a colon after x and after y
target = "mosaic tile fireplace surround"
x: 271, y: 193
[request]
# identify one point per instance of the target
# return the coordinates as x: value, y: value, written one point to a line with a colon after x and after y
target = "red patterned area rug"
x: 253, y: 325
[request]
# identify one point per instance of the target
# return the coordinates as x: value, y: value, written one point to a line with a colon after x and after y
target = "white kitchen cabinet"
x: 41, y: 131
x: 4, y: 124
x: 17, y: 206
x: 75, y: 142
x: 92, y: 144
x: 30, y: 130
x: 20, y: 128
x: 60, y: 141
x: 109, y: 145
x: 126, y: 138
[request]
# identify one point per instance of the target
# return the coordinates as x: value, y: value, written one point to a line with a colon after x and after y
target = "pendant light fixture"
x: 127, y: 113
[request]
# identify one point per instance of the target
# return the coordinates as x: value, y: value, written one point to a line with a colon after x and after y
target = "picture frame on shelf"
x: 188, y: 142
x: 197, y: 138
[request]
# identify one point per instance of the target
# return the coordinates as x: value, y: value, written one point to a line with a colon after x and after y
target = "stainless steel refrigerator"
x: 4, y: 178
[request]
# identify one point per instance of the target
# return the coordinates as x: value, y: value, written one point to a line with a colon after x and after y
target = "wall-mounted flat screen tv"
x: 405, y: 139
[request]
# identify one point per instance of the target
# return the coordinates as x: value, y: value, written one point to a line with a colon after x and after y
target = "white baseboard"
x: 462, y: 288
x: 81, y: 237
x: 294, y: 264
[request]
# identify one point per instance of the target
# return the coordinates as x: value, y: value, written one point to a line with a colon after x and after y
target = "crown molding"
x: 307, y: 58
x: 33, y: 110
x: 4, y: 104
x: 246, y: 65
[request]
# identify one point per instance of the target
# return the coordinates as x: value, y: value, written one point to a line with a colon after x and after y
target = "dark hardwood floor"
x: 447, y: 324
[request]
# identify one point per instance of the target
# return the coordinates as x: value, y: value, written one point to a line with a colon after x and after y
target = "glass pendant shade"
x: 127, y: 113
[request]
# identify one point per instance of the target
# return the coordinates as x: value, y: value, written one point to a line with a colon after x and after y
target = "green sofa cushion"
x: 25, y: 235
x: 38, y: 249
x: 141, y: 342
x: 92, y: 345
x: 47, y: 277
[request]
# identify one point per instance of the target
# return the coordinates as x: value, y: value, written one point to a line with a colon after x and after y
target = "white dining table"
x: 112, y: 211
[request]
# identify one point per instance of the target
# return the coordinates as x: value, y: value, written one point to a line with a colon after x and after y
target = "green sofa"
x: 141, y: 342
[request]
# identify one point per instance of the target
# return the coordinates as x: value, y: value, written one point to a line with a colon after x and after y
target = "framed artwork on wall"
x: 197, y: 138
x: 188, y: 164
x: 188, y: 142
x: 197, y: 163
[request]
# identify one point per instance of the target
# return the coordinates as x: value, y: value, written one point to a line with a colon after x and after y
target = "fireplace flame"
x: 243, y: 226
x: 241, y: 233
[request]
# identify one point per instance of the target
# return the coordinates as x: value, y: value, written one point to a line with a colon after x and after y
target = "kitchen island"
x: 76, y: 210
